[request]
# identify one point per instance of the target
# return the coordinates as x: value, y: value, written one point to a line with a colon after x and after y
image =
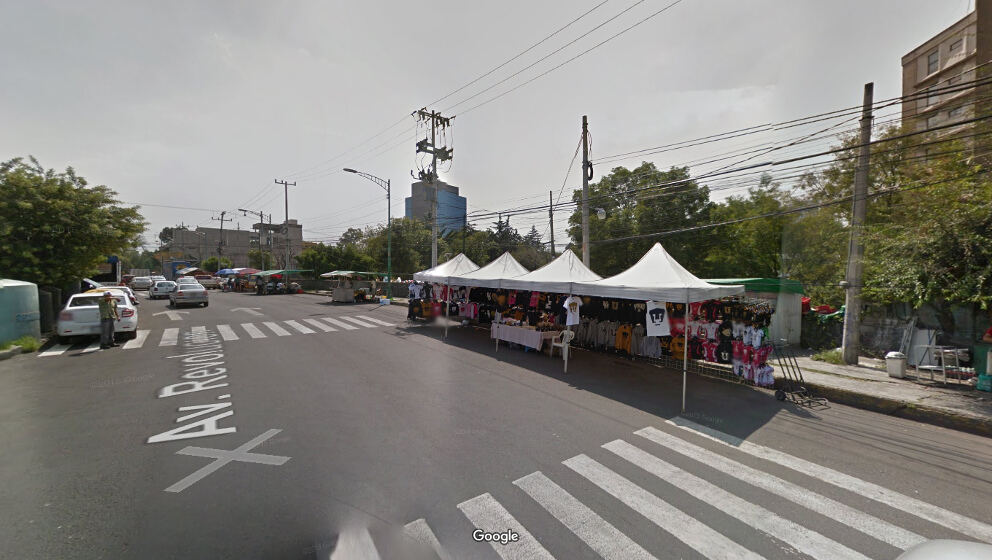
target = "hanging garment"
x: 656, y: 319
x: 710, y: 348
x: 623, y: 338
x: 572, y: 306
x: 677, y: 346
x: 725, y: 352
x: 637, y: 339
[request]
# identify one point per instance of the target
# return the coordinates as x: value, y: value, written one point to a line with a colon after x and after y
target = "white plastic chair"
x: 564, y: 343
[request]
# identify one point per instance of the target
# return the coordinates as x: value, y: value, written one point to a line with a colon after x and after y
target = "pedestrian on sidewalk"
x: 108, y: 316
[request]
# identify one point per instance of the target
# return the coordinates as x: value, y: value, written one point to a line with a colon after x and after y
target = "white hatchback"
x: 81, y: 317
x: 161, y: 289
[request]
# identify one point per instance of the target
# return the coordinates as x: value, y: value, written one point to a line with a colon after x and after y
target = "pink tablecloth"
x: 527, y: 337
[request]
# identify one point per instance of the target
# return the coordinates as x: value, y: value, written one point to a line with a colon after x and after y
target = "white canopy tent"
x: 491, y: 275
x: 457, y: 266
x: 659, y: 277
x: 558, y: 276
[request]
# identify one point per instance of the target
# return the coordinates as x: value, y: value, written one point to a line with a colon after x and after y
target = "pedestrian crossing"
x: 652, y: 456
x: 229, y: 333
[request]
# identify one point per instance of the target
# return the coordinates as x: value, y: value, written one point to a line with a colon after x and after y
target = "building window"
x: 956, y: 112
x: 933, y: 62
x: 931, y: 121
x: 956, y: 45
x: 932, y: 96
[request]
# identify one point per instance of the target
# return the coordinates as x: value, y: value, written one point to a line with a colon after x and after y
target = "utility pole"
x: 851, y: 345
x: 261, y: 221
x: 430, y: 176
x: 220, y: 242
x: 285, y: 229
x: 551, y: 217
x: 586, y: 175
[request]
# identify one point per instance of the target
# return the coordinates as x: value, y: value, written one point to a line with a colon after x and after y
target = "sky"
x: 190, y: 108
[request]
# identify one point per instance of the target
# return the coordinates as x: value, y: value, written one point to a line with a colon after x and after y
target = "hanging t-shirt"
x: 724, y: 353
x: 677, y: 346
x: 710, y: 349
x: 756, y: 336
x: 737, y: 347
x: 572, y: 306
x: 637, y: 339
x: 622, y: 338
x: 414, y: 310
x: 665, y: 345
x: 656, y: 319
x: 603, y: 333
x: 535, y: 299
x: 592, y: 332
x: 726, y: 331
x: 696, y: 351
x: 711, y: 330
x: 676, y: 310
x: 611, y: 334
x: 695, y: 309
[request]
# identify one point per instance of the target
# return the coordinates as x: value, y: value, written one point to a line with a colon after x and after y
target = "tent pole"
x: 685, y: 355
x: 498, y: 316
x: 448, y: 296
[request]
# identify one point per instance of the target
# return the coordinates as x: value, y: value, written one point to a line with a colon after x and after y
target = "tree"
x: 224, y: 263
x: 165, y: 236
x: 54, y: 228
x: 260, y: 259
x: 211, y: 264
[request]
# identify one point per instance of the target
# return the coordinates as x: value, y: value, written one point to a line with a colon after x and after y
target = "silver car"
x: 188, y: 294
x: 161, y: 289
x: 141, y: 283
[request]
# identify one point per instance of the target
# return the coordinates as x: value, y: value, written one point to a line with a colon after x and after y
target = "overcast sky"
x: 202, y: 104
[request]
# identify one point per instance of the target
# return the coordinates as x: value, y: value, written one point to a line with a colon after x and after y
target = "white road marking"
x: 199, y: 330
x: 421, y: 532
x: 321, y: 326
x: 226, y: 332
x: 377, y: 321
x: 139, y: 340
x: 357, y: 322
x: 91, y: 348
x: 253, y: 330
x: 687, y: 529
x: 223, y: 457
x: 249, y: 310
x: 299, y: 327
x: 169, y: 337
x: 341, y: 324
x: 57, y: 350
x: 276, y: 328
x: 355, y: 544
x: 908, y: 504
x: 595, y: 531
x: 842, y: 513
x: 802, y: 539
x: 487, y: 514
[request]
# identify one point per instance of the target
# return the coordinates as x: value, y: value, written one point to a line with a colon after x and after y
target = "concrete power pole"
x: 430, y: 176
x: 586, y: 174
x: 220, y: 242
x: 551, y: 219
x: 285, y: 229
x: 851, y: 345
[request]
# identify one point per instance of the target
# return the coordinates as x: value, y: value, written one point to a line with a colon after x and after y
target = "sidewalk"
x: 868, y: 386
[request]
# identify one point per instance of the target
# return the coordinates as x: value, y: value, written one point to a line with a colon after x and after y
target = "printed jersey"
x: 696, y: 351
x: 710, y: 350
x: 677, y: 346
x: 724, y: 352
x: 675, y: 310
x: 622, y: 338
x: 665, y: 345
x: 711, y: 330
x: 602, y: 333
x: 695, y: 308
x: 637, y: 339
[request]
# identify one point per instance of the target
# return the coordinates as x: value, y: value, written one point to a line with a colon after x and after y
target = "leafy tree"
x: 224, y: 263
x: 54, y: 228
x: 165, y: 236
x: 260, y: 259
x: 211, y: 264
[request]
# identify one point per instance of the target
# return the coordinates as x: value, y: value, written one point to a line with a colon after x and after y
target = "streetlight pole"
x: 389, y: 226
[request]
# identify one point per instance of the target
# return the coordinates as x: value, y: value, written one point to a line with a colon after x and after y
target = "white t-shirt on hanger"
x: 572, y: 305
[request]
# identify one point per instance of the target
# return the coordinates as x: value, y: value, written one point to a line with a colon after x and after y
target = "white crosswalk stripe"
x: 966, y: 525
x: 487, y: 514
x: 276, y: 328
x: 56, y: 350
x: 357, y: 322
x: 201, y: 329
x: 170, y: 337
x: 226, y: 332
x: 687, y: 529
x: 616, y: 539
x: 421, y: 532
x: 139, y: 340
x: 842, y: 513
x: 253, y: 331
x: 803, y: 539
x: 341, y: 324
x: 376, y: 321
x: 91, y: 348
x: 321, y: 326
x: 595, y: 531
x: 299, y: 327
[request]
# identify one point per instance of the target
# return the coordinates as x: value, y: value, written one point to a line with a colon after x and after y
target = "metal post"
x: 685, y: 350
x: 851, y: 345
x: 389, y: 242
x: 585, y: 191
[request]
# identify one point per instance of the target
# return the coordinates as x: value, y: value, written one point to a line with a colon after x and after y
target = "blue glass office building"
x: 451, y: 208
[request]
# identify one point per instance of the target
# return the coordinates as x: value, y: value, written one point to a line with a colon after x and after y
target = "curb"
x: 10, y: 352
x: 901, y: 409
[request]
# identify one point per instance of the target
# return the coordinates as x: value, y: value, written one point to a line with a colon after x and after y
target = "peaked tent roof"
x: 460, y: 264
x: 657, y: 276
x: 492, y: 274
x: 557, y: 276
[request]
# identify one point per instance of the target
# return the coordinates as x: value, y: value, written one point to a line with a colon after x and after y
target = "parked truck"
x: 134, y: 272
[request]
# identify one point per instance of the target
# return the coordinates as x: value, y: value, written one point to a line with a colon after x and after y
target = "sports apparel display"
x: 572, y: 305
x: 656, y: 319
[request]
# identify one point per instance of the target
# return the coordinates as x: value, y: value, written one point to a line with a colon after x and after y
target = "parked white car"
x: 208, y: 281
x: 141, y: 283
x: 161, y: 289
x: 81, y: 317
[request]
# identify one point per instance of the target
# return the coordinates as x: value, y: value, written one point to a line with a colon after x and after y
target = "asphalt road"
x: 387, y: 430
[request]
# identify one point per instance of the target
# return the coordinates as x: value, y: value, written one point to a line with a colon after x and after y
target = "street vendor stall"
x: 345, y: 289
x: 284, y: 277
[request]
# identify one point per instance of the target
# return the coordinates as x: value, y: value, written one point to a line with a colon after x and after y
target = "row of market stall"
x: 655, y: 308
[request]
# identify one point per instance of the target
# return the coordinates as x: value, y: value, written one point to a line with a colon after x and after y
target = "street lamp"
x: 389, y: 227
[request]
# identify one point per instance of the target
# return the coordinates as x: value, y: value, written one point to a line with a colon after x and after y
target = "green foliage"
x: 834, y: 356
x: 211, y: 264
x: 261, y: 259
x: 27, y: 343
x: 54, y: 228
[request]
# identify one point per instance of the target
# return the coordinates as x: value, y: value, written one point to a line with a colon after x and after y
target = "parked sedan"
x: 141, y: 283
x: 188, y: 294
x: 161, y: 289
x: 81, y: 317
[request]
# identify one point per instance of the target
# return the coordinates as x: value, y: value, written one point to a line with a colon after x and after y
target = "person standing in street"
x: 108, y: 316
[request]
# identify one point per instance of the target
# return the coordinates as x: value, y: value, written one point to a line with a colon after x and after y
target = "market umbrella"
x: 226, y: 271
x: 247, y: 271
